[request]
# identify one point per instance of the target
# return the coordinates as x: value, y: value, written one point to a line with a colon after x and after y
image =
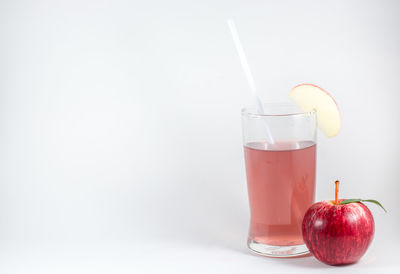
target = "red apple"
x: 338, y: 232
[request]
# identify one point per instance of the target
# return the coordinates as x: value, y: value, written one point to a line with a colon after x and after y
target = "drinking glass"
x: 280, y: 176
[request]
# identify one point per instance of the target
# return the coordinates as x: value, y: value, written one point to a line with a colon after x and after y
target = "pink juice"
x: 281, y: 186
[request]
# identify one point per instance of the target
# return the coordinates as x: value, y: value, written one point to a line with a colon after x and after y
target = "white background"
x: 120, y: 134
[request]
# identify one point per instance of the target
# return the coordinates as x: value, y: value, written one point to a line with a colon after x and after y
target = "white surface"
x: 120, y: 129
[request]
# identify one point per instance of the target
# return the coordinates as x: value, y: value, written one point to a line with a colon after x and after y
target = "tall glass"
x: 280, y: 176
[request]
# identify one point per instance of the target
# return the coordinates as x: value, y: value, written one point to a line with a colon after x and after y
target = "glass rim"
x: 250, y: 111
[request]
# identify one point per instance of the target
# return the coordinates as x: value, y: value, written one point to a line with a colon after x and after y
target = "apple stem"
x: 336, y: 191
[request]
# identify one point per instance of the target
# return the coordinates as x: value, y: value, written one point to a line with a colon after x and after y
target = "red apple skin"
x: 338, y: 234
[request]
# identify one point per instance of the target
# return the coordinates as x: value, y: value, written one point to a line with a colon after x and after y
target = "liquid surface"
x: 281, y: 187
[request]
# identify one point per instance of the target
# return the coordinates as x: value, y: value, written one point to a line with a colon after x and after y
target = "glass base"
x: 277, y: 251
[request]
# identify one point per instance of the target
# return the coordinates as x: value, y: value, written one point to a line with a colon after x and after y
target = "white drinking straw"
x: 250, y: 80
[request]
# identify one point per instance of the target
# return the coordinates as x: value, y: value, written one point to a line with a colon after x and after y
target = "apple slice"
x: 309, y: 97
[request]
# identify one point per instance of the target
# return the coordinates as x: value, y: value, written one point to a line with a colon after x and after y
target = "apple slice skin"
x: 338, y: 234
